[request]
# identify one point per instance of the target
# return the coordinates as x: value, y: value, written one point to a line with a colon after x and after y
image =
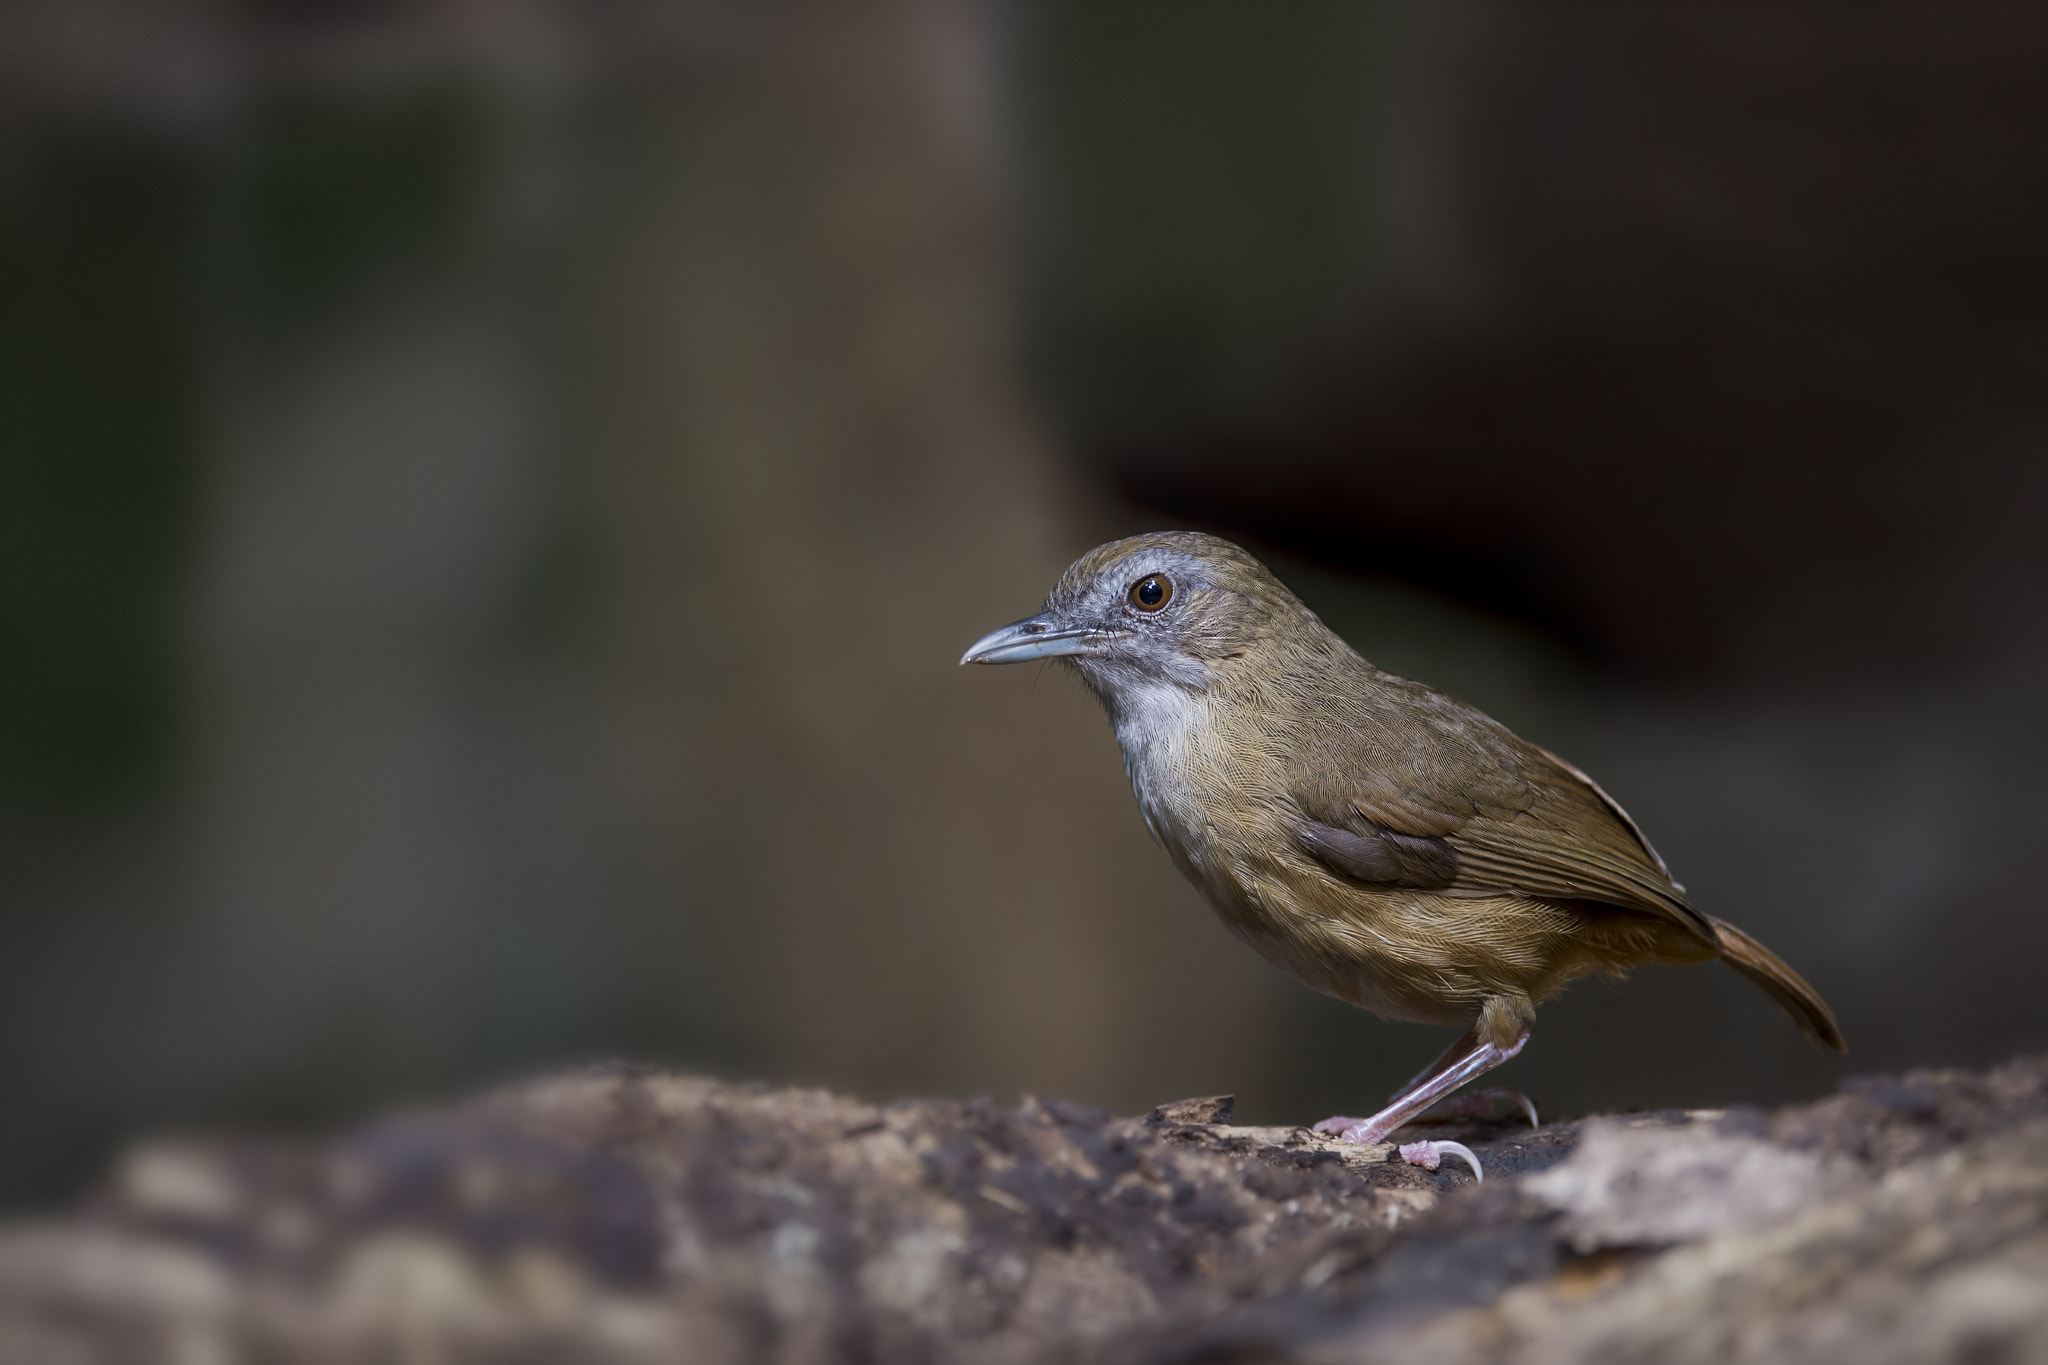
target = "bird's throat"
x: 1161, y: 727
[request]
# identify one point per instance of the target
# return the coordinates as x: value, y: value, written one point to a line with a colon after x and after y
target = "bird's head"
x: 1172, y: 606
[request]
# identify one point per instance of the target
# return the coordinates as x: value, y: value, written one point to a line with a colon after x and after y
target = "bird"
x: 1382, y: 842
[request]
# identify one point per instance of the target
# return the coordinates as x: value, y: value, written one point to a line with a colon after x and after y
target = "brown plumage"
x: 1384, y: 843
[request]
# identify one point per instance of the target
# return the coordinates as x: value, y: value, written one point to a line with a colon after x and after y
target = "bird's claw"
x: 1430, y: 1155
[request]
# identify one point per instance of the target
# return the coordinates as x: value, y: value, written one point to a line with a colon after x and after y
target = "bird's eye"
x: 1151, y: 592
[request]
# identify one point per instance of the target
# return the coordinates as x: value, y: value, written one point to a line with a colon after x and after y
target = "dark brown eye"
x: 1151, y: 592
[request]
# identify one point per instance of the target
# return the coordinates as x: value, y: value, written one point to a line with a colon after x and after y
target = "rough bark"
x: 625, y: 1214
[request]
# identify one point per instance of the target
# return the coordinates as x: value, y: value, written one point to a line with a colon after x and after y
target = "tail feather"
x: 1782, y: 984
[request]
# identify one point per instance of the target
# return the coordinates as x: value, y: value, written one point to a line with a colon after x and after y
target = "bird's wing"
x: 1410, y: 788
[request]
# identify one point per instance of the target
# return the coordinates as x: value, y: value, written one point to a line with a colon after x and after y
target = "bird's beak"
x: 1034, y: 637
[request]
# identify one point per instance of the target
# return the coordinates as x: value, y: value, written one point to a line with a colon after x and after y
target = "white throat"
x: 1160, y: 726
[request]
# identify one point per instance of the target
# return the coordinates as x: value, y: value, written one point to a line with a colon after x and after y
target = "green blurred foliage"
x: 339, y: 194
x: 1203, y: 219
x: 99, y: 455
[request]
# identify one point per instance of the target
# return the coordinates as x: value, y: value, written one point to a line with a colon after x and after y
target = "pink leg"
x: 1477, y: 1104
x: 1465, y: 1060
x: 1460, y: 1045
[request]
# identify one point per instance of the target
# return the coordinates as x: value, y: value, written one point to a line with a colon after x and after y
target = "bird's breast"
x: 1214, y: 790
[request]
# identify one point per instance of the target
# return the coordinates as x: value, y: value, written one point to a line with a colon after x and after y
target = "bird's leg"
x: 1450, y: 1056
x: 1472, y: 1056
x: 1476, y: 1105
x: 1465, y: 1045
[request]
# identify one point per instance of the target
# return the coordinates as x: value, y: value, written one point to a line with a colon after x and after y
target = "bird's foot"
x: 1430, y: 1155
x: 1478, y: 1104
x: 1351, y: 1130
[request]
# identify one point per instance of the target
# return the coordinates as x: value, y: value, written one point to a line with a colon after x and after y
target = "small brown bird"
x: 1384, y: 843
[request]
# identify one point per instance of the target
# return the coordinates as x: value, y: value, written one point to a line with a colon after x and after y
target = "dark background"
x: 491, y: 498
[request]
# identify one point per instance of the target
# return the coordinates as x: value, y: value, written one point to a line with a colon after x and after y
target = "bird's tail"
x: 1781, y: 983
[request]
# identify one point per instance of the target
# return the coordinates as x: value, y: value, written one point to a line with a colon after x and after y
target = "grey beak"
x: 1034, y: 637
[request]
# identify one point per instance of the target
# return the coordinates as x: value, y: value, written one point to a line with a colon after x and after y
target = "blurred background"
x: 492, y: 495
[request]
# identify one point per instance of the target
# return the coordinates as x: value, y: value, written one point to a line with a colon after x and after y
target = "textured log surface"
x: 622, y: 1214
